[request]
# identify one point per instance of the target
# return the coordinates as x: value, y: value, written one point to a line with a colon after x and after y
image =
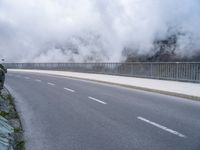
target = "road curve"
x: 60, y: 113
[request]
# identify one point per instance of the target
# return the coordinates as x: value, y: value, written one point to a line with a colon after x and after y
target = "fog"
x: 94, y: 30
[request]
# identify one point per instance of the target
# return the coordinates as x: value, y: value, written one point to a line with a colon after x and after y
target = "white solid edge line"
x: 49, y: 83
x: 162, y: 127
x: 70, y: 90
x: 92, y: 98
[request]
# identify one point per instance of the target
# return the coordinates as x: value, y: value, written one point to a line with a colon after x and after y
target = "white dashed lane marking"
x: 37, y: 80
x: 162, y: 127
x: 27, y: 78
x: 97, y: 100
x: 49, y: 83
x: 70, y: 90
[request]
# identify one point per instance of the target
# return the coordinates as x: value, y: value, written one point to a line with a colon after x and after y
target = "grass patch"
x: 4, y: 114
x: 20, y: 145
x: 17, y: 130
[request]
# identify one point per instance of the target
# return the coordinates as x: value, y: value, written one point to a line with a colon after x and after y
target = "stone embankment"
x: 11, y: 133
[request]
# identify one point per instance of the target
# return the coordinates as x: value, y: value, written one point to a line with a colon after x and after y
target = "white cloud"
x: 60, y: 30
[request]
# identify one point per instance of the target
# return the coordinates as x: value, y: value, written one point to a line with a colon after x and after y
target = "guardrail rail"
x: 178, y: 71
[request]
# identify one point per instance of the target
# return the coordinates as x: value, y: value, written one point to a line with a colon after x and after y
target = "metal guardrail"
x: 178, y: 71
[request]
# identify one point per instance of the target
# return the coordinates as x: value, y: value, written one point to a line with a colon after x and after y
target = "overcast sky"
x: 96, y: 30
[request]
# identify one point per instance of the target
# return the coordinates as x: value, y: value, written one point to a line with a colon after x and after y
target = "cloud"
x: 93, y: 30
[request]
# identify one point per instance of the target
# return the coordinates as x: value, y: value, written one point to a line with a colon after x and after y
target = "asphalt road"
x: 66, y: 114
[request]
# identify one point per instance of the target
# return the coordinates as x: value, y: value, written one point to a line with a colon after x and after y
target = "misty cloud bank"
x: 94, y: 30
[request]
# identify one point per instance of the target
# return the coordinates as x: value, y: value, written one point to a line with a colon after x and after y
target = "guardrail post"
x: 177, y: 70
x: 151, y: 67
x: 131, y: 69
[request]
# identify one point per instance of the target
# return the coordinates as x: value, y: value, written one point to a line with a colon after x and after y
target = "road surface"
x: 60, y: 113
